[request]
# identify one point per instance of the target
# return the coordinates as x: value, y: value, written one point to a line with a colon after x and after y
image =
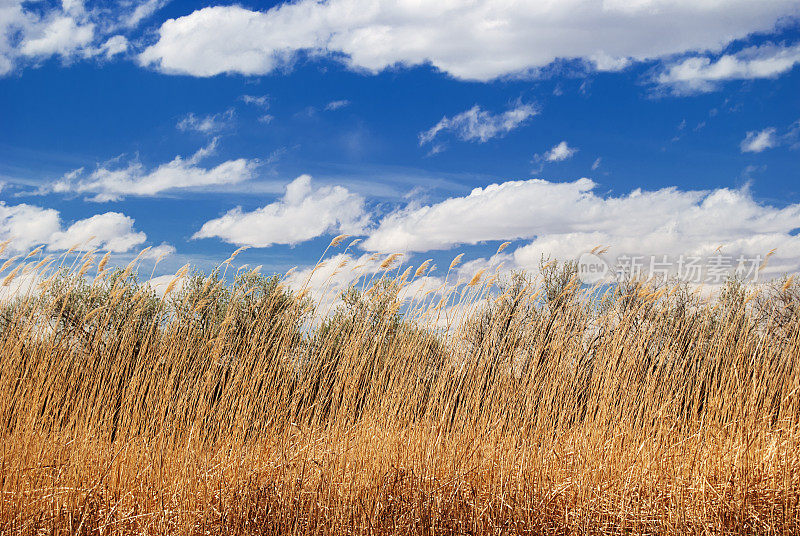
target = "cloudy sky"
x: 429, y: 128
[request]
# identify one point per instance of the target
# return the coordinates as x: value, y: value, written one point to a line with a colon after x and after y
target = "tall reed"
x: 495, y: 405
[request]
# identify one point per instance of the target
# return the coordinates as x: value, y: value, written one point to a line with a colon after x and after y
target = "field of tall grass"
x: 498, y: 405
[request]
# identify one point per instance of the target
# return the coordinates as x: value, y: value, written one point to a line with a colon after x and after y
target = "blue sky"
x: 648, y: 127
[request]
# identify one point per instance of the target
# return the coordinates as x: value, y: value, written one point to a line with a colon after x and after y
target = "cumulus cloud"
x: 567, y: 219
x: 161, y: 283
x: 112, y: 230
x: 27, y: 34
x: 61, y: 35
x: 478, y: 40
x: 479, y: 125
x: 23, y: 285
x: 757, y: 141
x: 341, y: 271
x: 157, y: 253
x: 557, y: 153
x: 560, y: 152
x: 117, y: 44
x: 702, y: 74
x: 108, y: 183
x: 303, y: 213
x: 34, y: 31
x: 327, y: 281
x: 28, y: 226
x: 510, y: 210
x: 206, y: 124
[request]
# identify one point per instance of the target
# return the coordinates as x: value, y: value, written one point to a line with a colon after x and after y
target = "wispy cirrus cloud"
x: 261, y: 101
x: 700, y: 74
x: 206, y: 124
x: 113, y: 182
x: 478, y: 125
x: 337, y: 104
x: 142, y: 11
x: 757, y: 141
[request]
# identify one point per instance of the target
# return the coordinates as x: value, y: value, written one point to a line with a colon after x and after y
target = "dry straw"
x: 525, y: 405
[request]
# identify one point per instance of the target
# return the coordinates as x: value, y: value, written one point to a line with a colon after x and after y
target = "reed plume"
x: 526, y: 404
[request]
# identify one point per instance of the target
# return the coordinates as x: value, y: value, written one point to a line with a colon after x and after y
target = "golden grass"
x: 230, y: 409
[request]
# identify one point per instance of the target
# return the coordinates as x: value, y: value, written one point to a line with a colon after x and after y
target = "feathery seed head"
x: 456, y: 260
x: 476, y: 277
x: 422, y: 268
x: 389, y: 260
x: 338, y: 240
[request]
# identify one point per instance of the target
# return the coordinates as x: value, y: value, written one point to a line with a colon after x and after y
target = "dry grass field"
x: 521, y: 405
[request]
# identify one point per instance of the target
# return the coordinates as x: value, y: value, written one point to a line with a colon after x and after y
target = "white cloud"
x: 702, y: 74
x: 28, y: 226
x: 335, y: 105
x: 112, y: 184
x: 112, y: 230
x: 115, y: 45
x: 161, y: 283
x: 436, y: 149
x: 757, y: 141
x: 792, y: 135
x: 479, y: 40
x: 159, y: 252
x: 566, y: 219
x: 25, y: 284
x: 341, y: 271
x: 61, y: 35
x: 326, y: 282
x: 34, y: 31
x: 73, y: 7
x: 142, y: 11
x: 207, y: 124
x: 303, y: 213
x: 557, y: 153
x: 596, y: 163
x: 560, y: 152
x: 514, y: 209
x: 479, y: 125
x: 262, y: 101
